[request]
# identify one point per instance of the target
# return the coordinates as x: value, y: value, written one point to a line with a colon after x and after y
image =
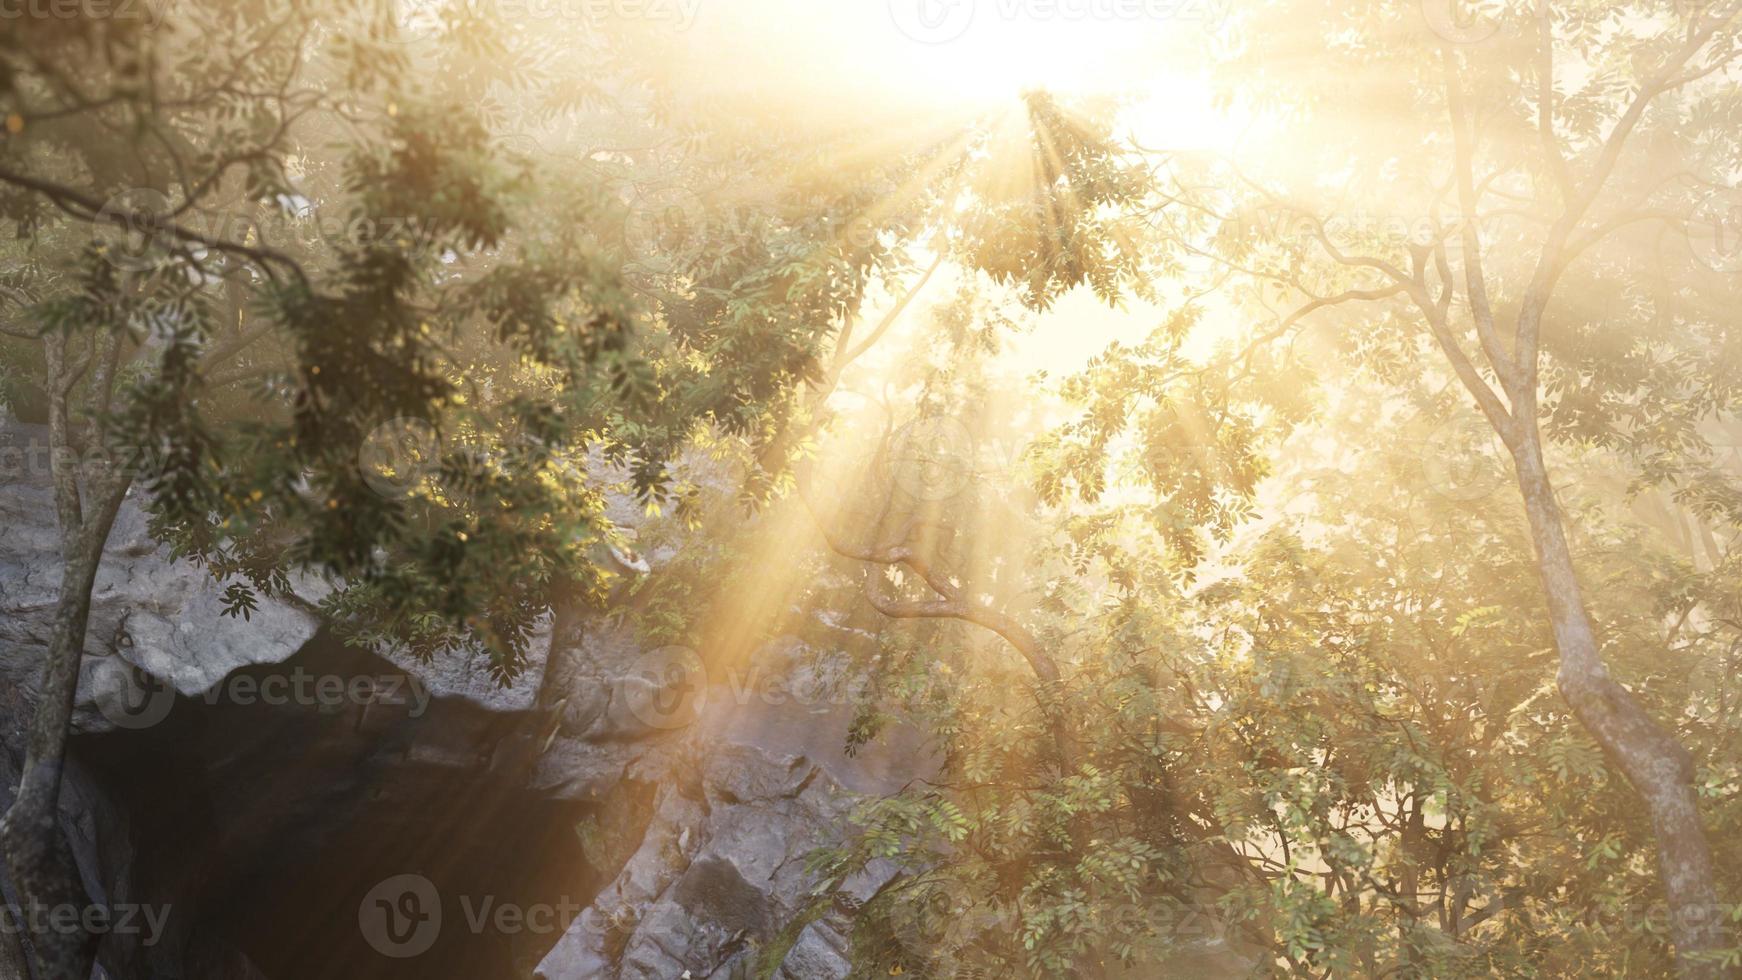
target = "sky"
x: 944, y: 57
x: 950, y: 51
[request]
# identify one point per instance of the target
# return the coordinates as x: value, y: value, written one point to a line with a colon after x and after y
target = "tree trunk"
x: 88, y: 491
x: 36, y: 849
x: 1658, y: 768
x: 12, y: 962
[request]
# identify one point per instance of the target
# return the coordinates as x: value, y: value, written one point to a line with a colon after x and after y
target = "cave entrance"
x: 278, y: 831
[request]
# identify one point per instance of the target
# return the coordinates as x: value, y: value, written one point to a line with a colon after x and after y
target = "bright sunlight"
x: 794, y: 490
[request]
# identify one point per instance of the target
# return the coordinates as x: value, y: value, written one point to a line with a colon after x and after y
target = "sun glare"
x: 956, y: 55
x: 1007, y: 48
x: 600, y: 489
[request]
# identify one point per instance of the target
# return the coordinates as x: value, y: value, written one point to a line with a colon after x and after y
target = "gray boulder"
x: 757, y: 781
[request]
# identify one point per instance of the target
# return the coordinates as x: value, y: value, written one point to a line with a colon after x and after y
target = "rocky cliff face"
x: 295, y: 808
x: 753, y: 779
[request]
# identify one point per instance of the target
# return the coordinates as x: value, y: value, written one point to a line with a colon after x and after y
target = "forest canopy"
x: 1284, y: 456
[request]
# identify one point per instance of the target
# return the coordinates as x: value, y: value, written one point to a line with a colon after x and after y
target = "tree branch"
x: 1476, y: 283
x: 90, y: 209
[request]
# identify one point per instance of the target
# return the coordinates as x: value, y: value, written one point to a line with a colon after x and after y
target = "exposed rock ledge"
x: 703, y: 818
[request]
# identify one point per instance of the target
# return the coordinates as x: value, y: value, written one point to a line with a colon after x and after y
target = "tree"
x: 1517, y: 181
x: 329, y: 312
x: 1388, y: 860
x: 1325, y: 735
x: 1221, y: 723
x: 1553, y: 190
x: 200, y: 337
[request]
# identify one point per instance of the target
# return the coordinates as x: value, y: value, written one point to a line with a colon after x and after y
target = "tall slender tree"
x: 1524, y: 210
